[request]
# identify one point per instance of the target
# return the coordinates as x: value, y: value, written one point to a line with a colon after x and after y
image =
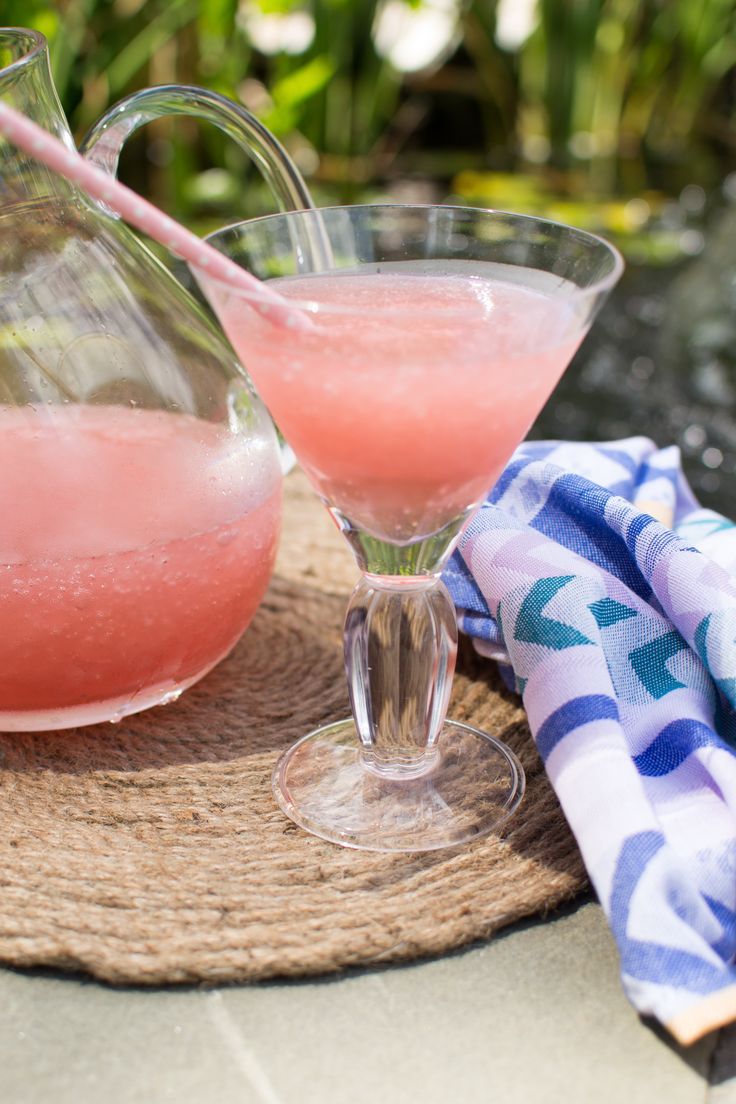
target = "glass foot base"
x: 474, y: 784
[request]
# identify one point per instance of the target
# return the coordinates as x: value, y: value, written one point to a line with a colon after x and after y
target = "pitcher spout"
x: 27, y: 85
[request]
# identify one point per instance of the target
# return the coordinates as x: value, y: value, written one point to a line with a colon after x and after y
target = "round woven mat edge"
x: 152, y: 852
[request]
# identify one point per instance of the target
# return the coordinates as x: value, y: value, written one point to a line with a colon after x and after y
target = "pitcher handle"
x: 103, y: 143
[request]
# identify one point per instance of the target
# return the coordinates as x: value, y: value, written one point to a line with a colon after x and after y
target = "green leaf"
x: 217, y: 18
x: 278, y: 7
x: 155, y: 34
x: 303, y: 83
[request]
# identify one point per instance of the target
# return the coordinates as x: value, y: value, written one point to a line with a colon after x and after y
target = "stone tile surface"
x: 723, y: 1069
x: 537, y: 1015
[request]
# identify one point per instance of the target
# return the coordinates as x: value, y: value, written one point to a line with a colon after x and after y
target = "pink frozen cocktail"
x: 406, y: 399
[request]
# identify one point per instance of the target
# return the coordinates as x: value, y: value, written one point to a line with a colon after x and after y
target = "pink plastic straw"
x: 47, y: 149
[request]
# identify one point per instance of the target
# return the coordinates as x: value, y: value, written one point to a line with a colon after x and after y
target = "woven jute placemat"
x: 153, y: 852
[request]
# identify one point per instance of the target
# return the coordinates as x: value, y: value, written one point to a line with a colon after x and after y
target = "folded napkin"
x: 595, y: 575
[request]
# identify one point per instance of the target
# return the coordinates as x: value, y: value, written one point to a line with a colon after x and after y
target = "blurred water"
x: 661, y: 361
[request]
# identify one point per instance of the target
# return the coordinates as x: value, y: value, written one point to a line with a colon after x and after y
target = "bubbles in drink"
x: 135, y: 548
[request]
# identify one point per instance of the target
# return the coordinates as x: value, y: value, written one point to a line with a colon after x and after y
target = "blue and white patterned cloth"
x: 595, y: 574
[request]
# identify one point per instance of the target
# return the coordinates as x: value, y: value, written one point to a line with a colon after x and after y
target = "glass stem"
x: 400, y: 650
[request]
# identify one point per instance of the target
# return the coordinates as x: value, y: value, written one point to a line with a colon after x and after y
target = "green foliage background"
x: 604, y: 98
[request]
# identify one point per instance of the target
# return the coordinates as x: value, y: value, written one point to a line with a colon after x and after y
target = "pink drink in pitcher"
x: 407, y: 398
x: 135, y: 547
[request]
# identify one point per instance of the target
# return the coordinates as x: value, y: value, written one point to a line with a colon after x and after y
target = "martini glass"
x: 433, y: 337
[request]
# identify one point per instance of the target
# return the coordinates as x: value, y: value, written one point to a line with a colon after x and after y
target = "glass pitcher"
x: 140, y: 481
